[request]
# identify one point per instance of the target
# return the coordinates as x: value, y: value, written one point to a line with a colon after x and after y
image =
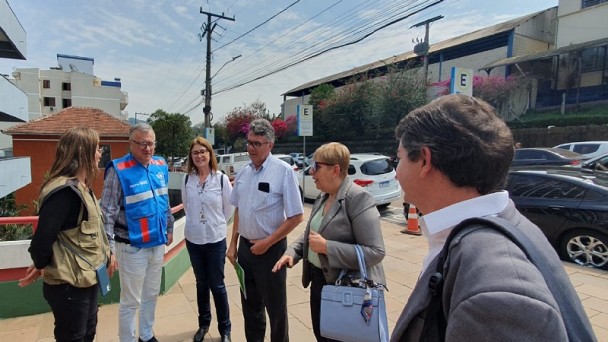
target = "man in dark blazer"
x: 454, y: 157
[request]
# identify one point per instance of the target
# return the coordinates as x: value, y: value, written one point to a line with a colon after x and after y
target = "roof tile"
x: 55, y: 124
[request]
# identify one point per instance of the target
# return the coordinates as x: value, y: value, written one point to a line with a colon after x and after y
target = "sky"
x: 153, y: 46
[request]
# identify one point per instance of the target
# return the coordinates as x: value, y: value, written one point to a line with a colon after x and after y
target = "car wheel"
x: 586, y: 248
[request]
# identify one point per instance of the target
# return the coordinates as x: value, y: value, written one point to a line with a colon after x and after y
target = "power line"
x: 321, y: 44
x: 257, y: 26
x: 354, y: 28
x: 327, y: 49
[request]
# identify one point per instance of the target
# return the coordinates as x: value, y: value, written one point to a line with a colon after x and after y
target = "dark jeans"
x: 75, y: 311
x: 208, y: 264
x: 316, y: 286
x: 265, y: 290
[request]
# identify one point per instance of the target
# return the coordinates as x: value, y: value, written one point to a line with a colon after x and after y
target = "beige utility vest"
x: 87, y: 239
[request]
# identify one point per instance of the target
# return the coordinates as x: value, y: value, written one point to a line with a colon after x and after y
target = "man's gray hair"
x: 262, y: 127
x: 140, y: 127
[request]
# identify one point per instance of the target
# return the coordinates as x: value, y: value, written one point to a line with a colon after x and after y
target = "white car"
x: 373, y: 172
x: 288, y: 159
x: 231, y: 163
x: 589, y: 149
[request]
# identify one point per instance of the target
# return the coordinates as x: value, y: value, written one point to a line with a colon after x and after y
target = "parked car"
x: 598, y: 163
x: 179, y: 164
x: 371, y: 171
x: 309, y: 159
x: 589, y: 149
x: 289, y: 160
x: 570, y: 206
x: 545, y: 156
x: 298, y: 158
x: 231, y: 163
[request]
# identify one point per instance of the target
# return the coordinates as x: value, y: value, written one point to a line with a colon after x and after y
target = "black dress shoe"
x: 153, y: 339
x: 226, y: 338
x: 200, y: 334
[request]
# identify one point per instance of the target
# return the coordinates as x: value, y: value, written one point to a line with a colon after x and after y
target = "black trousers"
x: 316, y: 286
x: 208, y: 265
x: 75, y: 311
x: 265, y: 291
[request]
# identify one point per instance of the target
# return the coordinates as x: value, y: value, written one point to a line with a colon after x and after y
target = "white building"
x: 576, y: 70
x: 14, y: 172
x: 581, y: 21
x: 72, y: 83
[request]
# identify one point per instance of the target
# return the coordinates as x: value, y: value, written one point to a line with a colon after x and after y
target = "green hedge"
x: 561, y: 121
x: 589, y: 115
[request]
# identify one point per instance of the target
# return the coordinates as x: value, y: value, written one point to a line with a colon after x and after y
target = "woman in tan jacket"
x: 70, y: 243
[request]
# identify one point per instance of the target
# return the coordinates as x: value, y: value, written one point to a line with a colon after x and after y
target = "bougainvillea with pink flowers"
x: 496, y: 90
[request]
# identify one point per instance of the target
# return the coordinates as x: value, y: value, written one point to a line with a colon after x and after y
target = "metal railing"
x: 33, y: 220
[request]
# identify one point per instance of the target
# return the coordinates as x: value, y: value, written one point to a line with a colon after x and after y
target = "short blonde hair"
x: 336, y: 154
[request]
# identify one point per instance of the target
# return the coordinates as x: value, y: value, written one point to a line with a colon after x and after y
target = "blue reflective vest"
x: 146, y: 199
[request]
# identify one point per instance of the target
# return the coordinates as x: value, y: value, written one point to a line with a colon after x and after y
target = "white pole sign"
x: 210, y: 135
x: 304, y: 120
x: 462, y: 81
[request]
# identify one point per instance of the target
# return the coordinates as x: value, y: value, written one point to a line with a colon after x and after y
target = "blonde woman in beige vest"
x: 69, y: 243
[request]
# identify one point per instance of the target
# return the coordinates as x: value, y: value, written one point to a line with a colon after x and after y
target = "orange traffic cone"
x: 412, y: 222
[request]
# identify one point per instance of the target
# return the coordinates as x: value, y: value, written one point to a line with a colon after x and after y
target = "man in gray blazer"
x: 454, y: 156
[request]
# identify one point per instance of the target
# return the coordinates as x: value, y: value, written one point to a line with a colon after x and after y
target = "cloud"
x: 153, y: 46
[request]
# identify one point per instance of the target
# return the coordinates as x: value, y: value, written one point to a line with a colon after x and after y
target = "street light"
x: 207, y: 92
x: 222, y: 67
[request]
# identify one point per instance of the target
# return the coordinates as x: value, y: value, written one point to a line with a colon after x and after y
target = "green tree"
x: 173, y: 133
x: 13, y: 232
x: 398, y: 93
x: 259, y: 110
x: 221, y: 135
x: 199, y: 129
x: 320, y: 98
x: 350, y: 111
x: 320, y: 95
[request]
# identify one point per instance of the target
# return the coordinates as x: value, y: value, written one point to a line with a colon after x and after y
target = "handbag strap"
x: 362, y: 268
x: 361, y: 260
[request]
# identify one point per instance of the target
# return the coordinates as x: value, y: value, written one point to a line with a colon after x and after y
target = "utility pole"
x: 425, y: 47
x: 139, y: 114
x: 207, y: 30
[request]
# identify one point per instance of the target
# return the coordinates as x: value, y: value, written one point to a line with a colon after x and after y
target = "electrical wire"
x: 316, y: 54
x: 356, y: 24
x: 257, y: 26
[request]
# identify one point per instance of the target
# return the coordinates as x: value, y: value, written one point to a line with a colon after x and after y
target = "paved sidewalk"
x: 176, y: 311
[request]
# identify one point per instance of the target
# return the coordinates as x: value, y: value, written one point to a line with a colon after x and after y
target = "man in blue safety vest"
x: 138, y: 222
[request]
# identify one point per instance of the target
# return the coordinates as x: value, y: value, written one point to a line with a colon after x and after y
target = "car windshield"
x: 376, y: 167
x: 287, y: 159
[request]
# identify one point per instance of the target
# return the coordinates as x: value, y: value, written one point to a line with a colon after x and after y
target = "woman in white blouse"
x: 206, y: 198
